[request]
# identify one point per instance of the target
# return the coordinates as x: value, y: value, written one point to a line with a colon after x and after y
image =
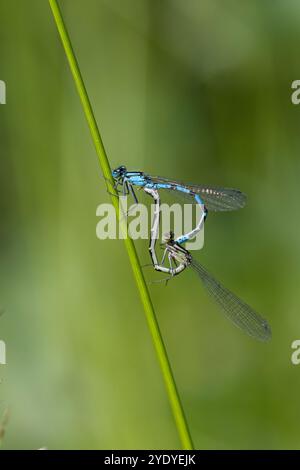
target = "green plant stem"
x: 173, y: 395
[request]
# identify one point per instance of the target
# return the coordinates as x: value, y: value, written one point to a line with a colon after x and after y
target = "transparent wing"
x: 241, y: 314
x: 215, y: 199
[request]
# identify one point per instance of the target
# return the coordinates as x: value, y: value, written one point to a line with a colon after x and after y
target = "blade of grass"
x: 3, y: 425
x: 173, y: 395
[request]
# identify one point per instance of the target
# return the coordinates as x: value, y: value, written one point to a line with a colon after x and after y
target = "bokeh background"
x: 196, y: 90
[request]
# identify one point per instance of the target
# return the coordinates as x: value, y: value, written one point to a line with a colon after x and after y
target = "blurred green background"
x: 196, y: 90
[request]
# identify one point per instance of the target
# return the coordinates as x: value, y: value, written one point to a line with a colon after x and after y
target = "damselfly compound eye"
x: 120, y: 170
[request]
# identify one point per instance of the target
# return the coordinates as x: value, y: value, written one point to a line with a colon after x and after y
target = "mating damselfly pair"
x: 176, y: 258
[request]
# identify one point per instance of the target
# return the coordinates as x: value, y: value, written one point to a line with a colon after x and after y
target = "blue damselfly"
x: 209, y: 198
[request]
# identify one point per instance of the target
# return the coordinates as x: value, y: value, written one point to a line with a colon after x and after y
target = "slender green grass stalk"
x: 173, y: 395
x: 3, y: 425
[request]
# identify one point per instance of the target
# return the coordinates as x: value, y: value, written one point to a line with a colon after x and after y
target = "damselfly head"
x: 119, y: 172
x: 168, y: 237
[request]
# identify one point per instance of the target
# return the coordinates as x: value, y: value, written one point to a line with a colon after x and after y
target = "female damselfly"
x: 236, y: 310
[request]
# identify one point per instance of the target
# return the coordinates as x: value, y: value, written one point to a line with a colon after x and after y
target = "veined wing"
x: 241, y: 314
x: 215, y: 199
